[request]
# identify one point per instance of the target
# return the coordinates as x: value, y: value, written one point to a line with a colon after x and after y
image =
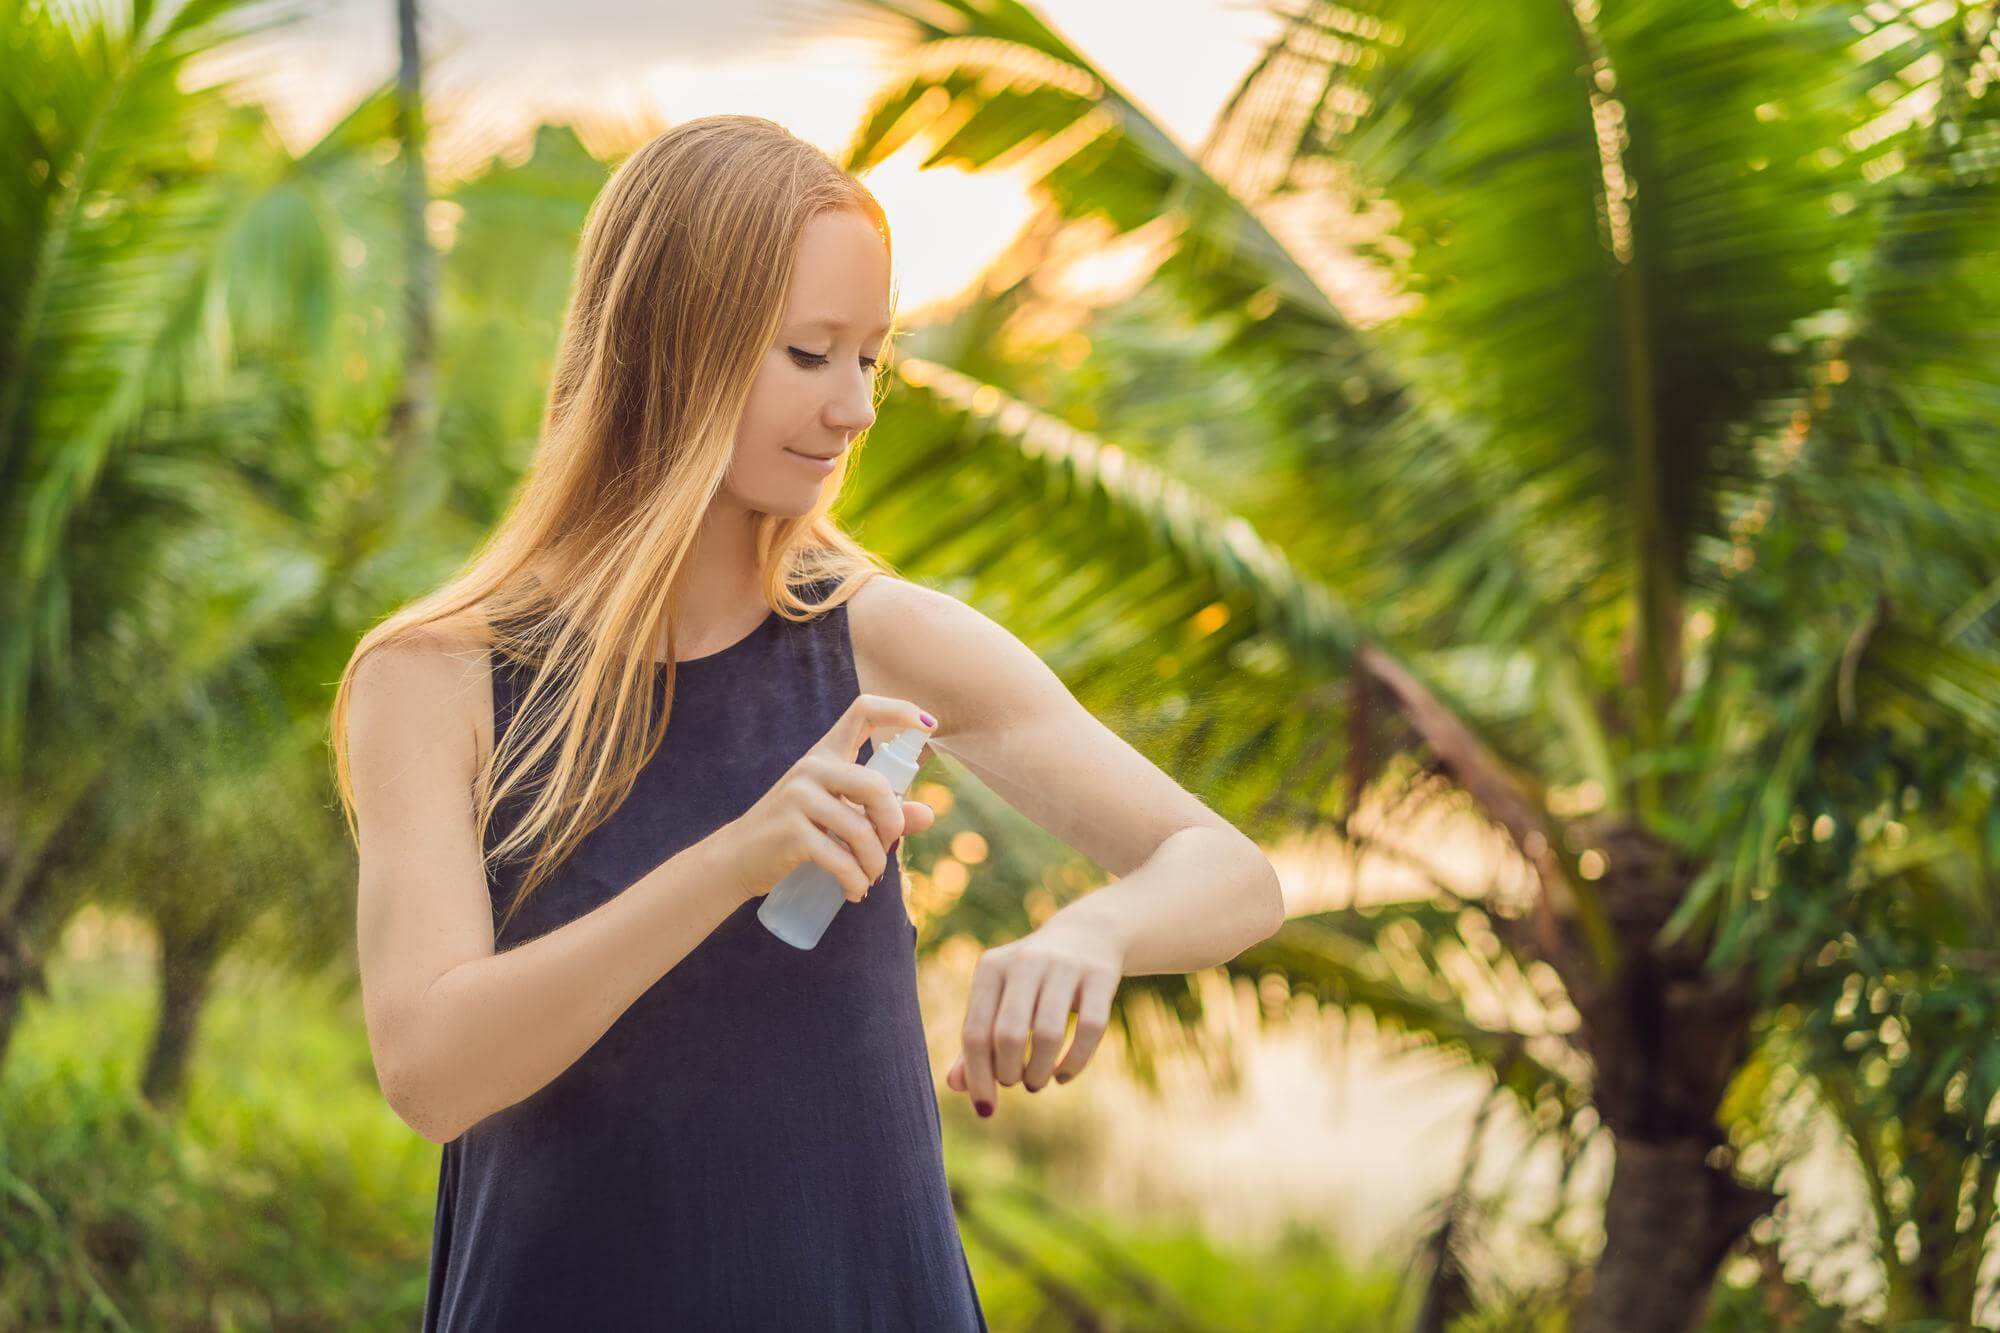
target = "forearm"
x: 1200, y: 899
x: 491, y: 1032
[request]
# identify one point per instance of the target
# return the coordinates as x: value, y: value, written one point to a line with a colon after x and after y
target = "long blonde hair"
x: 681, y: 280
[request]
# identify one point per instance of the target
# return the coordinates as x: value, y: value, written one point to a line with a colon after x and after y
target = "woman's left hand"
x: 1030, y: 987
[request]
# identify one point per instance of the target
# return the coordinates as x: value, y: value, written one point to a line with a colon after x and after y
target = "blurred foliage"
x: 1659, y: 473
x: 286, y: 1194
x: 1660, y: 521
x: 283, y: 1194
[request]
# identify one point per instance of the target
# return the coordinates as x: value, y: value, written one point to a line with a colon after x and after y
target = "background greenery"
x: 1649, y: 520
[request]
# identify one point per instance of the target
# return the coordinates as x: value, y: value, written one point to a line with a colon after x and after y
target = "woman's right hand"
x: 829, y: 810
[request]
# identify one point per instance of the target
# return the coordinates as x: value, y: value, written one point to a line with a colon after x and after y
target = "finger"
x: 852, y: 827
x: 871, y: 792
x: 917, y: 817
x: 977, y: 1035
x: 867, y: 714
x: 1051, y: 1023
x: 1093, y: 1014
x: 954, y: 1078
x: 1010, y: 1026
x: 834, y: 858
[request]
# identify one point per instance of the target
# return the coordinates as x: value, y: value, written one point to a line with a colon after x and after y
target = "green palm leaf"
x: 1111, y: 560
x: 112, y: 234
x: 985, y: 82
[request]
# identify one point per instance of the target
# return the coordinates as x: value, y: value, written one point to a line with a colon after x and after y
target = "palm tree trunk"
x: 1666, y: 1035
x: 412, y: 417
x: 187, y: 965
x: 1670, y: 1218
x: 26, y: 924
x: 20, y: 973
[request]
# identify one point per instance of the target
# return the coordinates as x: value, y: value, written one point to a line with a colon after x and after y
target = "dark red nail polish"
x: 985, y: 1108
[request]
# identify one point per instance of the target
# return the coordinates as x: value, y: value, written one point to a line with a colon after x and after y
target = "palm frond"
x: 1124, y: 570
x: 990, y: 84
x: 114, y: 241
x: 1409, y: 966
x: 1112, y: 560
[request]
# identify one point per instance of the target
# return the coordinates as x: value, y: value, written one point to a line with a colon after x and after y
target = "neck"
x: 721, y: 583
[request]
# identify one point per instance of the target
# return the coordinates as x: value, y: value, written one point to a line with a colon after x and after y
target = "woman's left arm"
x: 1192, y: 890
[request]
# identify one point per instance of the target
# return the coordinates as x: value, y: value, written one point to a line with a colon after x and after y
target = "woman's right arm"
x: 457, y: 1031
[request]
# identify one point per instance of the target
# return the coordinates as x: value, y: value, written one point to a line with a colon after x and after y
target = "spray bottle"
x: 799, y: 907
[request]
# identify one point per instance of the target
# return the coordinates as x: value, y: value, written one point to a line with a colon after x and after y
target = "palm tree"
x: 187, y: 379
x: 1674, y: 474
x: 273, y: 482
x: 412, y: 420
x: 113, y: 231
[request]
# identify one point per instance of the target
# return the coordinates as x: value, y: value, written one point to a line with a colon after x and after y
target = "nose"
x: 853, y: 410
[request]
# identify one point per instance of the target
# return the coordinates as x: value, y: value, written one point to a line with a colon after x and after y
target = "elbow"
x: 426, y: 1122
x: 1262, y: 892
x: 414, y: 1081
x: 1277, y: 923
x: 1272, y: 892
x: 417, y: 1106
x: 430, y: 1132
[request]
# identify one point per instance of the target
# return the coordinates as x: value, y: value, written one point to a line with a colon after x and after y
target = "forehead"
x: 841, y: 278
x: 837, y: 325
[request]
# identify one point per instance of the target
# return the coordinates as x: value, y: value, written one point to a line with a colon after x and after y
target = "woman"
x: 645, y: 701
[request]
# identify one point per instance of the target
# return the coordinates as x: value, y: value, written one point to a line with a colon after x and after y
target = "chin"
x: 781, y: 500
x: 791, y: 506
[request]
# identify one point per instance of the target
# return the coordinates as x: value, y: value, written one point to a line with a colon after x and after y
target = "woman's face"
x: 815, y: 389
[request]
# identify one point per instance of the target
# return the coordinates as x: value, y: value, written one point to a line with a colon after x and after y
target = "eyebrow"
x: 831, y: 324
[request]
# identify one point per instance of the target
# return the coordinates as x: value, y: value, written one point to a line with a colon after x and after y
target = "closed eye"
x: 813, y: 360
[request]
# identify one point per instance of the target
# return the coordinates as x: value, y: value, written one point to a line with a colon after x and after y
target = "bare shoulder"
x: 1007, y: 718
x: 886, y: 617
x: 895, y: 623
x: 949, y: 658
x: 884, y: 600
x: 432, y: 683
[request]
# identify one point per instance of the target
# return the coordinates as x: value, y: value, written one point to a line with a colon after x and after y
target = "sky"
x: 495, y: 68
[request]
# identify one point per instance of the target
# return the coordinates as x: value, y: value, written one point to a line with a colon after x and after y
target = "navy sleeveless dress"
x: 754, y: 1144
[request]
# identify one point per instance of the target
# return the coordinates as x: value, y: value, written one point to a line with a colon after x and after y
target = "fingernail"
x: 1062, y: 1078
x: 929, y: 721
x: 985, y: 1108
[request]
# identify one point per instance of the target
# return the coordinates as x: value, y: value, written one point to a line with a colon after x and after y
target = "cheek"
x: 780, y: 398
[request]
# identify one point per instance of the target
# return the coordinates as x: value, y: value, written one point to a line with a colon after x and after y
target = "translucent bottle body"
x: 800, y: 906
